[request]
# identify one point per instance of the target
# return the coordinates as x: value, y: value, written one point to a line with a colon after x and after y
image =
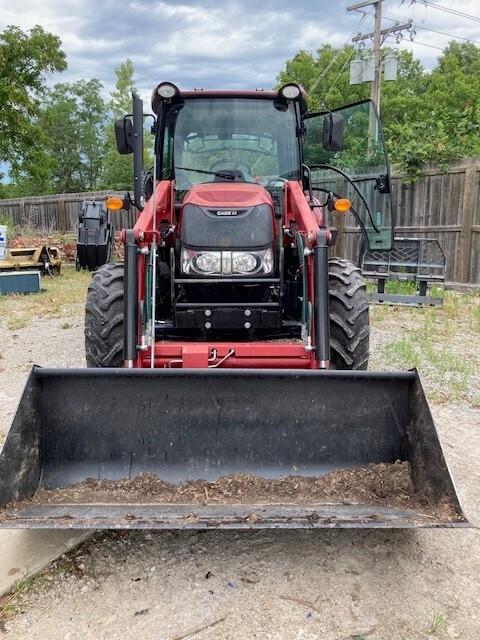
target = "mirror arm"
x: 306, y: 170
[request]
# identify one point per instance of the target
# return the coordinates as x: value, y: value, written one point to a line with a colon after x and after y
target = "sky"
x: 219, y: 44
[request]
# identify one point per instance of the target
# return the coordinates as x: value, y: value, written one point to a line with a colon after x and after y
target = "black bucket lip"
x: 84, y: 372
x: 254, y: 516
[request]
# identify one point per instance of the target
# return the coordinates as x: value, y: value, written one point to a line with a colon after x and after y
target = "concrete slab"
x: 24, y: 552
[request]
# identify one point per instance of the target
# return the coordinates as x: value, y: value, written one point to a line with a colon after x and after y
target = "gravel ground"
x: 329, y: 585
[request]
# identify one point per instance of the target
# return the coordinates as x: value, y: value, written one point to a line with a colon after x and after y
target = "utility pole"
x: 377, y: 36
x: 375, y: 90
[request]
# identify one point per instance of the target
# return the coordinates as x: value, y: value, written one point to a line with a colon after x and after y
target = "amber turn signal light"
x: 342, y: 205
x: 114, y: 203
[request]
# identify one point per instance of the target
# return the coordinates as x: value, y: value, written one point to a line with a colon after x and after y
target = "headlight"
x: 207, y: 262
x: 244, y: 262
x: 290, y: 91
x: 225, y: 263
x: 166, y: 90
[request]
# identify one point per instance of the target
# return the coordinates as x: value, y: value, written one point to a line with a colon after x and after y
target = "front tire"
x: 104, y: 317
x: 349, y: 318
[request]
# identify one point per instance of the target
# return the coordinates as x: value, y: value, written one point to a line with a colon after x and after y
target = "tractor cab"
x: 268, y: 138
x: 243, y: 182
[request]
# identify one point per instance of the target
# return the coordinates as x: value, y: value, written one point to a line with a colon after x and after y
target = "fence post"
x: 468, y: 207
x: 22, y: 214
x: 62, y: 216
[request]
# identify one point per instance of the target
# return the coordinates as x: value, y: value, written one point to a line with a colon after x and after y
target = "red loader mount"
x: 227, y: 355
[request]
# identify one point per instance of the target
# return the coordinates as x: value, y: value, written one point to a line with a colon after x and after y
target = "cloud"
x: 204, y: 43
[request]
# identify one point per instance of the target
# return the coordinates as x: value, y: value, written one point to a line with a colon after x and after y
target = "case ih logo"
x: 226, y: 212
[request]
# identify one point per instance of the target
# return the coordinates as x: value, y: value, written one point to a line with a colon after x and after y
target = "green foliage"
x: 117, y: 169
x: 427, y: 116
x: 25, y: 60
x: 332, y: 66
x: 69, y: 146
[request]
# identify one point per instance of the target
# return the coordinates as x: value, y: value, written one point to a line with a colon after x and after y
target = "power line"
x: 440, y: 7
x: 332, y: 86
x: 334, y: 59
x: 423, y: 44
x: 449, y: 35
x: 443, y: 33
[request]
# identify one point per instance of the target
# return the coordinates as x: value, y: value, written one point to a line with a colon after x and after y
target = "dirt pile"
x: 388, y: 485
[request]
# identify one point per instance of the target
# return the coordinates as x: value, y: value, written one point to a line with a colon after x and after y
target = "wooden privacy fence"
x: 57, y: 214
x: 444, y: 205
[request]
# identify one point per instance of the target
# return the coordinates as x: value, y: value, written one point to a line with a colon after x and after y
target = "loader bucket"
x: 177, y: 449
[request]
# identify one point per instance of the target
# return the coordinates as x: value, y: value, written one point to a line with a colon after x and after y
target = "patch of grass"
x: 440, y: 341
x: 61, y: 295
x: 25, y: 584
x: 7, y: 602
x: 475, y: 323
x: 66, y: 325
x: 403, y: 354
x: 438, y: 624
x: 450, y: 370
x: 379, y: 312
x: 16, y: 323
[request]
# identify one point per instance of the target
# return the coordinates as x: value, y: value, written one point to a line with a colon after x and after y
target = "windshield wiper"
x: 219, y: 174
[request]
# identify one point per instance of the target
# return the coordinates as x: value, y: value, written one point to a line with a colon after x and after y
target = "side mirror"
x: 124, y: 135
x: 333, y: 126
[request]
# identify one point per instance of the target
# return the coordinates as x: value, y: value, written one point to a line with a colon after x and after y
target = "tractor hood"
x: 227, y: 195
x: 227, y: 216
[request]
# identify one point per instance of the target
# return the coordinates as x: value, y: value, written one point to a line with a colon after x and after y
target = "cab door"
x: 359, y: 171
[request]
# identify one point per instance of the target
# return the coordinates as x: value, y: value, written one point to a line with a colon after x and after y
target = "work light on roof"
x: 166, y: 90
x: 290, y: 91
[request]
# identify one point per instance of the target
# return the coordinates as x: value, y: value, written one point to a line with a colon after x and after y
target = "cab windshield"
x: 219, y: 139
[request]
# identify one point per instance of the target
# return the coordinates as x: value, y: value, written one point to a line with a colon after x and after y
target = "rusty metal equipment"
x: 44, y: 258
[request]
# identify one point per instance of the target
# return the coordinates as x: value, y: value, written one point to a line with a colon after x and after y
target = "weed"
x: 475, y: 320
x: 439, y: 623
x: 24, y: 584
x: 66, y: 325
x: 379, y: 312
x: 402, y: 353
x: 17, y: 323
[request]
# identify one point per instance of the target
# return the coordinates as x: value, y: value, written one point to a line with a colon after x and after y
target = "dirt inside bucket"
x: 388, y: 485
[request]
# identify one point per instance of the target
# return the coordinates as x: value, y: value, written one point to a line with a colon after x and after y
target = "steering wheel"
x: 241, y: 166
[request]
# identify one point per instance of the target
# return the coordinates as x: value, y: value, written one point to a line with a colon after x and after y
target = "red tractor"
x: 228, y: 264
x: 226, y: 355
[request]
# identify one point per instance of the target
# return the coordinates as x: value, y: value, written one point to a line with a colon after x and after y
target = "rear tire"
x: 104, y: 317
x: 349, y: 318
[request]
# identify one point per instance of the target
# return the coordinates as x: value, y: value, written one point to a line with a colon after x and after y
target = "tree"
x: 425, y: 116
x: 68, y: 153
x: 118, y: 169
x: 25, y: 60
x: 325, y: 77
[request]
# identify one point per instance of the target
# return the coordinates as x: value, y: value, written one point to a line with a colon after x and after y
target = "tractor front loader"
x: 227, y: 381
